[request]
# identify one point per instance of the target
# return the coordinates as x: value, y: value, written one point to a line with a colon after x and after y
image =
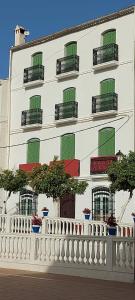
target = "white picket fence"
x: 60, y: 226
x: 95, y: 257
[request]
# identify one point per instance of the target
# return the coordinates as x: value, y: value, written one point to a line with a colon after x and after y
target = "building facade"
x: 72, y: 96
x: 4, y: 129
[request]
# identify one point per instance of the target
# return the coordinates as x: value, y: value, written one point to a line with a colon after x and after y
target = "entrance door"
x: 67, y: 206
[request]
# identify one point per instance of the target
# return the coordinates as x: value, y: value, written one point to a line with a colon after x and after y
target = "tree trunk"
x: 56, y: 203
x: 123, y: 209
x: 4, y: 209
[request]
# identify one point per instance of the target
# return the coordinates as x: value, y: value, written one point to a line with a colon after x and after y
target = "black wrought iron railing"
x: 66, y: 110
x: 67, y: 64
x: 104, y: 102
x: 33, y: 73
x: 32, y: 116
x: 105, y: 53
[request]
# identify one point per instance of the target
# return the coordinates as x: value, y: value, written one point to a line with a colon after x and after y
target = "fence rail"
x: 60, y: 226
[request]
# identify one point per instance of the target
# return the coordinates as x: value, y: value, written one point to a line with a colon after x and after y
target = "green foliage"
x: 122, y: 174
x: 54, y: 182
x: 12, y: 181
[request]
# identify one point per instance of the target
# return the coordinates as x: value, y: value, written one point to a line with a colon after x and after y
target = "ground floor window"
x: 102, y: 204
x: 27, y: 203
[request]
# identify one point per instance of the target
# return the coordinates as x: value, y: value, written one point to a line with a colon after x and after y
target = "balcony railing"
x: 99, y: 165
x: 104, y: 102
x: 105, y: 54
x: 28, y: 167
x: 71, y: 166
x: 33, y: 73
x: 66, y: 110
x: 31, y: 117
x: 67, y: 64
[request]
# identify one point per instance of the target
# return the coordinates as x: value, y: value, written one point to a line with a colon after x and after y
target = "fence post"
x: 110, y: 253
x: 44, y: 229
x: 86, y: 227
x: 33, y: 253
x: 8, y: 223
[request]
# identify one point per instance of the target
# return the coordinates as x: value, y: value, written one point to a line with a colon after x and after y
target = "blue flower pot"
x: 87, y: 216
x: 45, y: 213
x: 35, y: 228
x: 112, y: 230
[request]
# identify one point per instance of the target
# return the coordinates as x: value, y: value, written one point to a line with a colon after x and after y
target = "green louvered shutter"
x: 106, y: 141
x: 68, y: 146
x: 71, y: 49
x: 37, y: 59
x: 69, y: 95
x: 109, y: 37
x: 33, y: 149
x: 35, y: 102
x: 107, y: 86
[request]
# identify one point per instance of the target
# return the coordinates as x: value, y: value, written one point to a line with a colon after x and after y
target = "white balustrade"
x: 60, y: 226
x: 109, y: 254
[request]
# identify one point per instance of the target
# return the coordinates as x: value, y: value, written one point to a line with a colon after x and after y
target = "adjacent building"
x: 4, y: 129
x: 72, y: 95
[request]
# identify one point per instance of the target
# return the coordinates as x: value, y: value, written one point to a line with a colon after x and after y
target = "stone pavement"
x: 21, y: 285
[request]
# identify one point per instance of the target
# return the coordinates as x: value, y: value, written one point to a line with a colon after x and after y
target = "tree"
x: 53, y: 181
x: 122, y: 176
x: 12, y: 181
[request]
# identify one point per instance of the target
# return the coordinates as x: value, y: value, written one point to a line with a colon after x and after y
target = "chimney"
x: 20, y: 34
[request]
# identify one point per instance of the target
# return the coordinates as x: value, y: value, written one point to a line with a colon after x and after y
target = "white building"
x: 4, y: 129
x: 72, y: 95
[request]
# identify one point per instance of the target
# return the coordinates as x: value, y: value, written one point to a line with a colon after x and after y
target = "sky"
x: 43, y: 17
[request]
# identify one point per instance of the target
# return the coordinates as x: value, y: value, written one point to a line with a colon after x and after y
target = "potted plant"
x: 133, y: 215
x: 111, y: 222
x: 36, y: 223
x: 87, y: 212
x: 45, y: 211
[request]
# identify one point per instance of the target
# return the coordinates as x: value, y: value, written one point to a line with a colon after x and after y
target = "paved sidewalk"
x: 21, y: 285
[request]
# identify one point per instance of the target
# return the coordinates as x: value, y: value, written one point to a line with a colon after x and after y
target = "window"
x: 37, y: 59
x: 102, y: 204
x: 35, y: 102
x: 67, y: 146
x: 106, y: 141
x: 71, y: 49
x: 33, y: 149
x: 28, y: 203
x: 69, y: 94
x: 109, y: 37
x: 107, y: 86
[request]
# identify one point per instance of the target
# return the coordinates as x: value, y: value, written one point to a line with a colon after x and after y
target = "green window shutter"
x: 33, y: 151
x: 69, y: 95
x: 71, y: 49
x: 109, y: 37
x: 68, y: 146
x: 106, y: 141
x: 107, y: 86
x: 35, y: 102
x: 37, y: 59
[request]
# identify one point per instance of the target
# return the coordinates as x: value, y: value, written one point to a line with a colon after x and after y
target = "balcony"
x: 99, y: 165
x: 71, y: 166
x: 31, y: 118
x: 105, y: 104
x: 29, y: 166
x: 105, y: 57
x: 33, y: 76
x: 66, y: 112
x: 67, y: 67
